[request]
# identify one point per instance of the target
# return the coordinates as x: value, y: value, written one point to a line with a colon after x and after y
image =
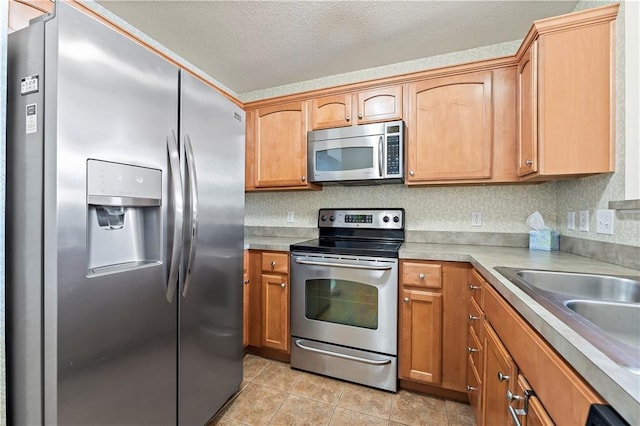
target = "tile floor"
x: 274, y: 394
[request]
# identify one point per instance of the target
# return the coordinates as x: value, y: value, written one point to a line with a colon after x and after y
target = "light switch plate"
x: 584, y: 220
x: 571, y: 221
x: 604, y: 221
x: 290, y: 217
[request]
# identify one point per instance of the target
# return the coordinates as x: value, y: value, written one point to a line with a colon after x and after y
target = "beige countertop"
x: 619, y: 386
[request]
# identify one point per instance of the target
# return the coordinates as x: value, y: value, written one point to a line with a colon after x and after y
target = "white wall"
x: 632, y: 99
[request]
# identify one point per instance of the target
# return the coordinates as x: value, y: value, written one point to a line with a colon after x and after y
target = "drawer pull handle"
x: 472, y: 318
x: 421, y: 276
x: 471, y: 388
x: 502, y: 377
x: 246, y: 282
x: 515, y: 412
x: 474, y: 287
x: 273, y: 264
x: 472, y: 350
x: 406, y: 300
x: 283, y: 285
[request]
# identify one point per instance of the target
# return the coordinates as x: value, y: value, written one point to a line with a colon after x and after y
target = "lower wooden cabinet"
x: 421, y: 336
x: 245, y: 299
x: 432, y: 336
x: 518, y: 365
x: 268, y: 302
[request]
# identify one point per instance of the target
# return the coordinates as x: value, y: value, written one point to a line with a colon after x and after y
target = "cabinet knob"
x: 348, y: 118
x: 474, y: 287
x: 273, y: 264
x: 513, y: 397
x: 502, y: 377
x: 283, y: 285
x: 304, y: 178
x: 421, y: 276
x: 471, y: 388
x: 412, y: 173
x: 246, y: 282
x: 528, y: 162
x: 472, y: 350
x: 360, y: 116
x: 472, y: 318
x: 406, y: 300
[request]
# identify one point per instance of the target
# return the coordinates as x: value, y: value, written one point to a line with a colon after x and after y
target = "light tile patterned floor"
x: 274, y: 394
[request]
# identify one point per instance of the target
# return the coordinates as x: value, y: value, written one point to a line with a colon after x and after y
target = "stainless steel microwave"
x: 371, y: 153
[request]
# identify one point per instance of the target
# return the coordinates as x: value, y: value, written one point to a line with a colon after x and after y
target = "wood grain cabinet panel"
x: 383, y: 104
x: 499, y: 373
x: 275, y: 311
x: 245, y: 299
x: 421, y: 338
x: 566, y: 97
x: 450, y: 128
x: 535, y: 413
x: 354, y: 108
x: 280, y: 146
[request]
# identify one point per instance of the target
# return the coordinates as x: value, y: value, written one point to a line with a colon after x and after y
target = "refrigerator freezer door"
x: 210, y: 363
x: 110, y: 339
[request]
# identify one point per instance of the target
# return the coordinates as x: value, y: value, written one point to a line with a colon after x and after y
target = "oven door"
x: 358, y: 158
x: 345, y: 300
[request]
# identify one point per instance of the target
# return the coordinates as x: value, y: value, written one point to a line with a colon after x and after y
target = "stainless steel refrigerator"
x: 125, y: 205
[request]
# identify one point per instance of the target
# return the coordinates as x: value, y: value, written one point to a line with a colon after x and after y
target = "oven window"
x: 343, y: 159
x: 342, y: 302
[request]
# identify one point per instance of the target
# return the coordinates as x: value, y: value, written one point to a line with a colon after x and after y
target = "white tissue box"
x: 544, y: 239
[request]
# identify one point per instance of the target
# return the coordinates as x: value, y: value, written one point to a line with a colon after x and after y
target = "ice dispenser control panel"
x: 122, y: 184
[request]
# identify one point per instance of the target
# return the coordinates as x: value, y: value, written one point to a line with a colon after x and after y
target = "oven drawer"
x: 367, y: 368
x: 421, y: 274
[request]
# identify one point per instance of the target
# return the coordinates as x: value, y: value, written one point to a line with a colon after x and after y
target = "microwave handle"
x: 380, y: 156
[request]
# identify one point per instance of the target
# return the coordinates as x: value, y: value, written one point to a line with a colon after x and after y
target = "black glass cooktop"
x: 354, y: 247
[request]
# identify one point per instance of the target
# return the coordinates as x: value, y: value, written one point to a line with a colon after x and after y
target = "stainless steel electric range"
x: 344, y: 296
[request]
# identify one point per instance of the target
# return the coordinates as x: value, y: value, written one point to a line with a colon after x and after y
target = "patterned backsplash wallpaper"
x: 504, y: 208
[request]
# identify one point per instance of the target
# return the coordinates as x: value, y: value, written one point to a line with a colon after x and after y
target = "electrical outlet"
x: 476, y: 218
x: 604, y: 221
x: 571, y: 221
x: 290, y: 218
x: 584, y: 220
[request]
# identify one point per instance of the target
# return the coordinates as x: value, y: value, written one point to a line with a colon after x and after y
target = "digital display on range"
x: 358, y: 218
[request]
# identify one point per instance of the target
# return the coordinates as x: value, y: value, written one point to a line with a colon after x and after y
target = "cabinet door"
x: 528, y: 112
x: 535, y: 414
x: 281, y: 146
x: 331, y: 111
x: 421, y: 336
x: 275, y: 311
x: 474, y: 390
x: 377, y: 105
x: 450, y: 128
x: 499, y: 371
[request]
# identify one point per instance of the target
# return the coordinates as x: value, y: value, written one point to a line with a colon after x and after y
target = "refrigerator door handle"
x: 178, y: 214
x: 193, y: 208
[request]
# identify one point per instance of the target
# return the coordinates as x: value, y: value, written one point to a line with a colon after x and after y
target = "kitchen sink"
x: 604, y: 309
x: 599, y: 287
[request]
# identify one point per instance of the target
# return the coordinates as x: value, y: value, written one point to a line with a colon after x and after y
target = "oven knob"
x: 396, y: 219
x: 323, y: 218
x: 332, y: 218
x: 385, y: 219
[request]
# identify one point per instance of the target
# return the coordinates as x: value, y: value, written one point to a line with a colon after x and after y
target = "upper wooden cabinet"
x: 363, y: 107
x: 566, y: 83
x: 450, y: 128
x: 276, y: 147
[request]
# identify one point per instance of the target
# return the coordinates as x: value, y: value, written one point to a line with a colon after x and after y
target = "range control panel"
x: 361, y: 218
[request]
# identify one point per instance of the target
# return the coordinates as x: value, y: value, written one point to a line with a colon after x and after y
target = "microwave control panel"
x: 394, y: 140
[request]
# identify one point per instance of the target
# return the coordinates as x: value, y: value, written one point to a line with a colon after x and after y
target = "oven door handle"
x: 299, y: 344
x: 301, y: 261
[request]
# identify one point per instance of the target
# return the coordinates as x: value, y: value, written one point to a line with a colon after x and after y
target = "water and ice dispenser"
x: 124, y: 226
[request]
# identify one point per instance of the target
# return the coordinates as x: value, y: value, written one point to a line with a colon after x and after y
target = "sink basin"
x: 620, y: 320
x: 598, y: 287
x: 603, y: 309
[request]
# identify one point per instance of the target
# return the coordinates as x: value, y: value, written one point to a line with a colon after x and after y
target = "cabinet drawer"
x: 474, y: 349
x: 476, y: 284
x: 275, y: 262
x: 419, y: 274
x: 474, y: 388
x: 475, y: 317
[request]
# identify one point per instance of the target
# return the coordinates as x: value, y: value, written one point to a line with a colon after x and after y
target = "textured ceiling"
x: 253, y: 45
